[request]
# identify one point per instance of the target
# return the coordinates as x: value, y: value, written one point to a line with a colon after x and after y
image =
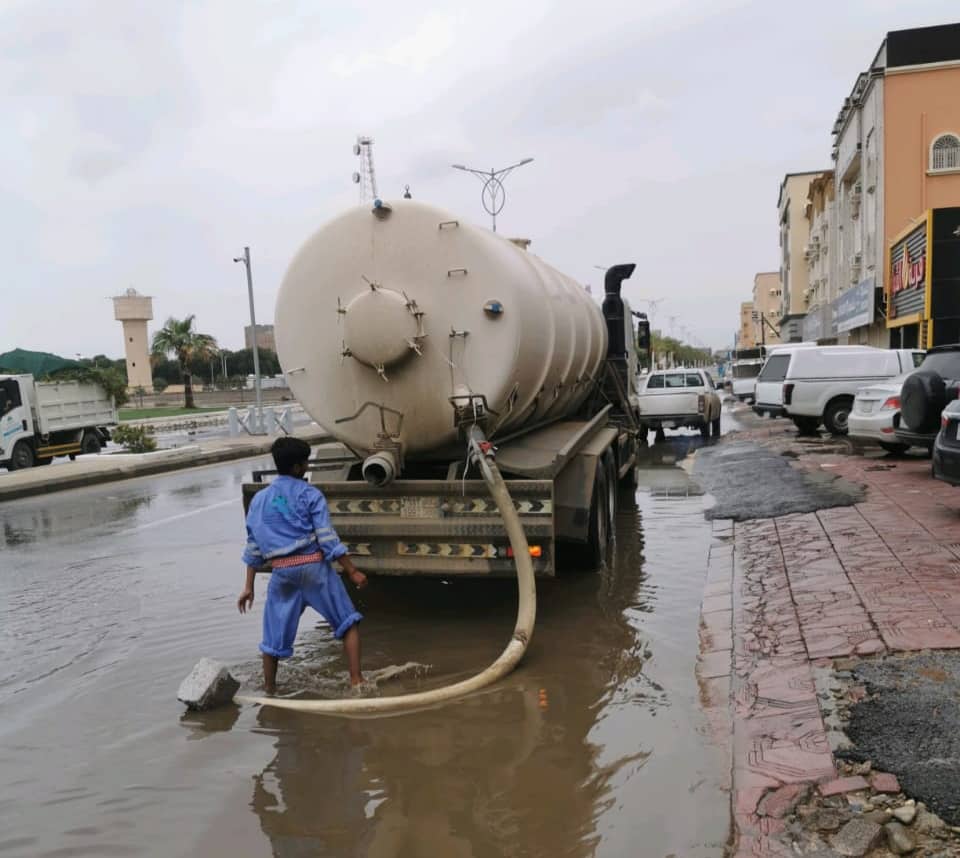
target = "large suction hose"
x: 482, y: 454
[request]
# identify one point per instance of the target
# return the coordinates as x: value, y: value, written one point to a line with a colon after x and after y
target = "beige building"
x: 265, y: 337
x: 134, y: 310
x: 794, y: 235
x: 746, y: 339
x: 767, y: 299
x: 818, y: 325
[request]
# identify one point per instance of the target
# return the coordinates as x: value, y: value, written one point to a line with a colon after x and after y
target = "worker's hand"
x: 358, y: 578
x: 245, y: 602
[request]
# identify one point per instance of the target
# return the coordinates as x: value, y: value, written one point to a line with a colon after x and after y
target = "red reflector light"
x: 535, y: 551
x: 892, y: 402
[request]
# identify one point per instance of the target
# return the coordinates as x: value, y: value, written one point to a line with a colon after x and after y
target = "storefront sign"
x: 819, y: 324
x: 908, y: 274
x: 855, y: 307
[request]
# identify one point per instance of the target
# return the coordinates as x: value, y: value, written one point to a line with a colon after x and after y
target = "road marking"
x: 178, y: 516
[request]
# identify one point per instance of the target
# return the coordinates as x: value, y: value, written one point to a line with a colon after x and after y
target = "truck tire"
x: 836, y: 414
x: 705, y: 428
x: 612, y: 487
x: 715, y: 427
x: 598, y: 533
x: 22, y: 456
x: 90, y: 443
x: 922, y: 398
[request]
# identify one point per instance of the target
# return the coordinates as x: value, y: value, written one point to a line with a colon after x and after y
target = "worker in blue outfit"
x: 288, y: 526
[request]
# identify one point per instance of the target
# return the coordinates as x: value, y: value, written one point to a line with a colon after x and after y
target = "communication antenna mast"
x: 366, y: 176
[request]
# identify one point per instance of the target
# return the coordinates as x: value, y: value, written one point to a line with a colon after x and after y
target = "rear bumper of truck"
x: 437, y: 528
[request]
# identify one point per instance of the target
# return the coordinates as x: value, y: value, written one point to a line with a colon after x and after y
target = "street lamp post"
x: 493, y: 196
x: 245, y: 259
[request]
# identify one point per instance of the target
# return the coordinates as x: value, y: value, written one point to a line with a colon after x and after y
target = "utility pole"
x: 493, y: 195
x: 245, y: 259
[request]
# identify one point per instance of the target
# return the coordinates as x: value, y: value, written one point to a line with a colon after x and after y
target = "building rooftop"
x: 923, y: 45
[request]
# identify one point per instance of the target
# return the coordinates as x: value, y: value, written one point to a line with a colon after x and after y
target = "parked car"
x: 875, y: 409
x: 946, y: 446
x: 925, y: 395
x: 676, y: 398
x: 819, y: 384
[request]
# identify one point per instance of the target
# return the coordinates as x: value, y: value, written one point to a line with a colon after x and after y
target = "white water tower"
x: 134, y: 310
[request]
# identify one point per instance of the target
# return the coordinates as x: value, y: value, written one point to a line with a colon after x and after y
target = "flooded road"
x: 596, y: 745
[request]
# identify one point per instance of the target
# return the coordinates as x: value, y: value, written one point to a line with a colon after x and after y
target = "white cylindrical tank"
x: 411, y: 310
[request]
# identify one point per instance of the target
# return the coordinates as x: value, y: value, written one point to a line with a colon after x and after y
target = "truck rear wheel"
x: 715, y: 427
x: 90, y: 443
x: 705, y: 428
x: 599, y: 533
x: 22, y: 456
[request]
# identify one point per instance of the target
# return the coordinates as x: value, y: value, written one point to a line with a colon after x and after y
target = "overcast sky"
x: 144, y: 143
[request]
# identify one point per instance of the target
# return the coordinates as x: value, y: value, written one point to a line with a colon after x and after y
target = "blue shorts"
x: 290, y: 591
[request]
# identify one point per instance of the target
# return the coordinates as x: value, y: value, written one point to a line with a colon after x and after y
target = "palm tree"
x: 178, y: 338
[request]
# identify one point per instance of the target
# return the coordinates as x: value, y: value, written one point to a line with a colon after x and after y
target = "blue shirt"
x: 287, y: 517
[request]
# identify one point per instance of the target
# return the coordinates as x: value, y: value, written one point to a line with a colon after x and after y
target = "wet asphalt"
x: 748, y: 481
x: 910, y: 725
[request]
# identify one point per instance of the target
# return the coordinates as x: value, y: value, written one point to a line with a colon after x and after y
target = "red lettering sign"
x: 907, y: 273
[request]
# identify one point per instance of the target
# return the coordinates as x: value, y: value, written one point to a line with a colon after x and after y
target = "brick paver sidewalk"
x: 789, y: 593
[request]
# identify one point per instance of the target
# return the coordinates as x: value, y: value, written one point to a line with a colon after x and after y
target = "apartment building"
x: 794, y: 234
x: 896, y: 156
x: 745, y: 337
x: 766, y: 302
x: 820, y: 213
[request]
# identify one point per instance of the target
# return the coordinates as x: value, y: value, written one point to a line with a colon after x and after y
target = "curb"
x: 145, y: 469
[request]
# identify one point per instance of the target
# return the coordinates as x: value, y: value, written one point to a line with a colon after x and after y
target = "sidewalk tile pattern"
x: 882, y: 575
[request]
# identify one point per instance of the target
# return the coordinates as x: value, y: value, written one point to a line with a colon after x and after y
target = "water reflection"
x: 43, y: 519
x: 513, y: 771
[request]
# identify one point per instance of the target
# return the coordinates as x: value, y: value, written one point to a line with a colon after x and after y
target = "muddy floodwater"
x: 597, y: 745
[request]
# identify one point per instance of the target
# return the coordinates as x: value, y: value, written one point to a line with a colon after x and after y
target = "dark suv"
x: 925, y: 394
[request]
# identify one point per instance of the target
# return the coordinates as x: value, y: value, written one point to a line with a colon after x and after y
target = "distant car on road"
x: 925, y: 395
x: 677, y: 398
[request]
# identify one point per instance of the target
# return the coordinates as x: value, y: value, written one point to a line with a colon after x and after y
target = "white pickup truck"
x: 41, y: 420
x: 677, y: 398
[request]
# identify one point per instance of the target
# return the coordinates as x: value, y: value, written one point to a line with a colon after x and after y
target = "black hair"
x: 288, y: 452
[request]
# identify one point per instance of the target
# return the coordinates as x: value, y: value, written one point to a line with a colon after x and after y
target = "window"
x: 775, y: 369
x: 655, y: 382
x: 945, y: 153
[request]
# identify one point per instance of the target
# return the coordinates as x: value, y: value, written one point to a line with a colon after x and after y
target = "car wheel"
x: 896, y: 449
x: 22, y: 456
x: 836, y: 416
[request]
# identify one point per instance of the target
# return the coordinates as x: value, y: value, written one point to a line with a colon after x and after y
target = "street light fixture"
x: 493, y: 195
x: 245, y: 259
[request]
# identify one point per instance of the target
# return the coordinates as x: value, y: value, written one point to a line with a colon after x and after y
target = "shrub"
x: 135, y: 439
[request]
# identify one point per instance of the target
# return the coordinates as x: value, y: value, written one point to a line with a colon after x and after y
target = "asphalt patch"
x: 749, y: 481
x: 909, y: 724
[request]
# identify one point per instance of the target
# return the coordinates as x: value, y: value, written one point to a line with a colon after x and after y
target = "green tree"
x: 178, y: 338
x: 241, y: 362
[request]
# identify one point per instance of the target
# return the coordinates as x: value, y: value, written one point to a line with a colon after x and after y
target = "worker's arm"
x: 245, y: 602
x: 331, y: 546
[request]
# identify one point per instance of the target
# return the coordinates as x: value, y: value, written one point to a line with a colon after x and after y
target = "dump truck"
x: 402, y: 330
x: 42, y: 420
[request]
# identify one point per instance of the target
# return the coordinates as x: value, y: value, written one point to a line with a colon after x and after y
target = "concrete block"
x: 208, y: 686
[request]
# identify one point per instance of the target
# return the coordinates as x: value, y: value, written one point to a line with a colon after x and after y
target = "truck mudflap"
x: 437, y: 528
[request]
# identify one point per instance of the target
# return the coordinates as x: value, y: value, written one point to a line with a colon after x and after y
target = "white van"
x: 818, y: 385
x: 768, y: 391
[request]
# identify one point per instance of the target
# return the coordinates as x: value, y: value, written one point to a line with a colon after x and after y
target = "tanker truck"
x: 403, y: 331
